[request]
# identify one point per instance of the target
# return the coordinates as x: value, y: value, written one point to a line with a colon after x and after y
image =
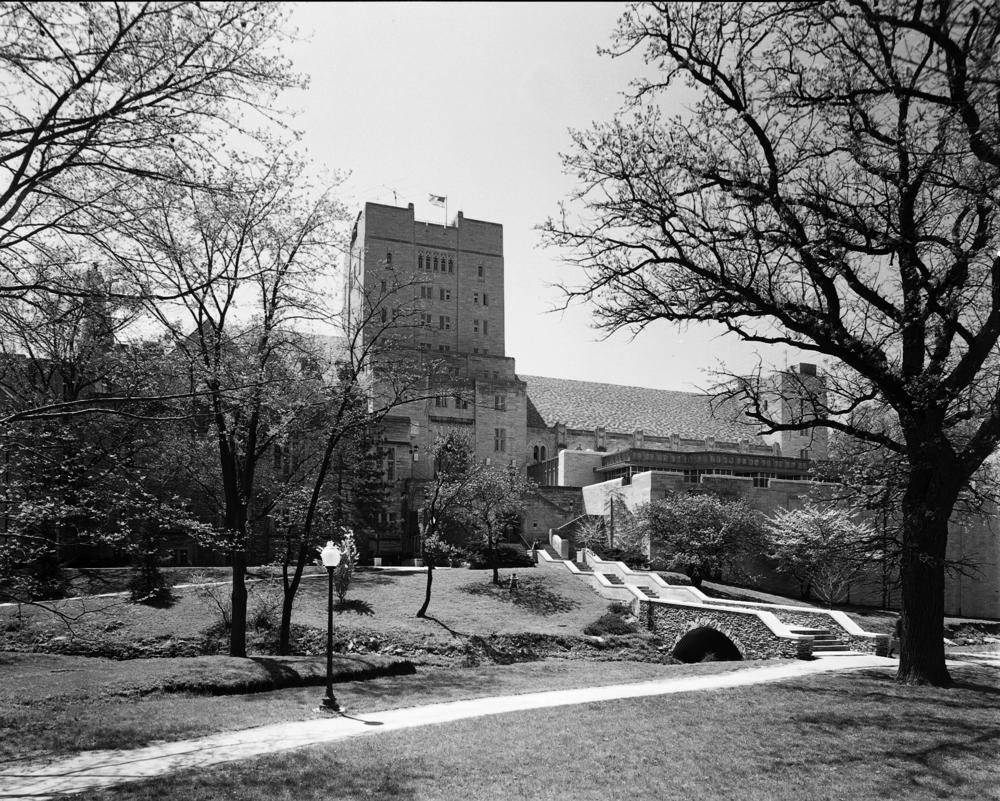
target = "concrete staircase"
x: 825, y: 642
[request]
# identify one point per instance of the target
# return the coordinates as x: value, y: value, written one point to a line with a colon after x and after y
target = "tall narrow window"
x: 486, y: 299
x: 534, y: 453
x: 390, y: 464
x: 499, y: 440
x: 486, y: 326
x: 475, y: 298
x: 451, y: 265
x: 388, y: 259
x: 383, y: 286
x: 475, y: 326
x: 480, y: 271
x: 435, y: 264
x: 384, y: 315
x: 542, y: 453
x: 500, y: 403
x: 420, y: 262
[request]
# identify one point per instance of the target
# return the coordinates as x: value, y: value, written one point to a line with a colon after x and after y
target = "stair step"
x: 648, y: 591
x: 613, y: 579
x: 827, y: 647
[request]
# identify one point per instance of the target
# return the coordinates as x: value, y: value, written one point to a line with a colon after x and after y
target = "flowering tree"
x: 823, y: 548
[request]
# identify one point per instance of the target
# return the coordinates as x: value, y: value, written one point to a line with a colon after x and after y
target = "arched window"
x: 420, y: 262
x: 542, y: 452
x: 451, y: 265
x: 534, y: 453
x: 435, y: 263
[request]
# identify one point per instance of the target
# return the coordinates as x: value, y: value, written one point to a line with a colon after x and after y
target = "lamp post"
x: 330, y: 556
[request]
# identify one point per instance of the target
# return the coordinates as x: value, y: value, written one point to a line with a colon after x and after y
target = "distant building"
x: 578, y: 440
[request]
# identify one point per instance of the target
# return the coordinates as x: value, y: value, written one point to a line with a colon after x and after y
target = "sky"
x: 475, y: 102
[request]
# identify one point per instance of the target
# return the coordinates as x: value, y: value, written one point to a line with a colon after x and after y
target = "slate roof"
x: 658, y: 412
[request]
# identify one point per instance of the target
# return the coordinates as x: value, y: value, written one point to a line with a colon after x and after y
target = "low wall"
x: 835, y: 622
x: 757, y: 635
x: 559, y: 545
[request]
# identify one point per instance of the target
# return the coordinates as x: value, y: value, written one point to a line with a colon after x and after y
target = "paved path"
x: 98, y: 769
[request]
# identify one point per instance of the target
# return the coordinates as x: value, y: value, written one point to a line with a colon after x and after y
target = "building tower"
x: 444, y: 285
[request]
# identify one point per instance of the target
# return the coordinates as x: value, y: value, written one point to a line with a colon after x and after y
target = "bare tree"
x: 246, y: 262
x: 833, y: 188
x: 98, y: 96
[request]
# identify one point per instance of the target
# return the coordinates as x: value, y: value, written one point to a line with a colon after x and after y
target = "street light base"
x: 330, y: 705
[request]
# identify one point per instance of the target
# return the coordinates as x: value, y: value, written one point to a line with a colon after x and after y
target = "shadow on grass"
x: 532, y: 595
x: 355, y: 605
x: 445, y: 626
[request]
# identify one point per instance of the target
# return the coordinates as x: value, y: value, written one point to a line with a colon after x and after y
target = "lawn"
x: 382, y: 605
x: 830, y: 737
x: 55, y: 704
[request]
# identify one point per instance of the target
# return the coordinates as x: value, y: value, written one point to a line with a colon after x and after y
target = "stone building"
x: 578, y: 440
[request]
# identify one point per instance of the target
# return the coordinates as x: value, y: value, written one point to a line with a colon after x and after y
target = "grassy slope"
x: 825, y: 738
x: 385, y: 602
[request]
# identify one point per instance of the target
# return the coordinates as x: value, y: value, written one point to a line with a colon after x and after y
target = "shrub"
x: 619, y: 608
x: 609, y: 623
x: 149, y: 586
x: 507, y: 556
x: 637, y: 560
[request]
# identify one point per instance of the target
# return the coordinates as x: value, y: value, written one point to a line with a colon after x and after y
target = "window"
x: 451, y: 265
x: 445, y: 294
x: 420, y: 262
x: 486, y: 326
x: 425, y: 346
x: 427, y: 292
x: 500, y: 403
x: 276, y: 457
x: 499, y: 440
x: 461, y: 403
x: 384, y: 315
x: 444, y: 323
x: 480, y: 271
x: 542, y: 453
x: 383, y: 286
x: 180, y: 556
x: 441, y: 402
x: 425, y: 319
x: 435, y: 264
x: 534, y: 453
x: 475, y: 326
x: 390, y: 464
x: 475, y: 298
x: 444, y: 348
x: 486, y: 299
x: 388, y: 259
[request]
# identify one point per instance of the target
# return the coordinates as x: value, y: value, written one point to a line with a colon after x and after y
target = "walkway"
x: 98, y: 769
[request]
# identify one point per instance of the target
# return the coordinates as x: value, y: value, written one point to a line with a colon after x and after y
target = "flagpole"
x: 445, y: 211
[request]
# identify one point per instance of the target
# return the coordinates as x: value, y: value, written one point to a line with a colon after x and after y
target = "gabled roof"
x: 658, y: 412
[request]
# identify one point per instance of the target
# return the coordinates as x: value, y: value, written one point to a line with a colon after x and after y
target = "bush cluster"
x: 609, y: 623
x: 507, y: 556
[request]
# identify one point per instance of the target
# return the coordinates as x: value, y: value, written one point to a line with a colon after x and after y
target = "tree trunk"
x: 926, y: 507
x: 429, y: 561
x: 491, y: 549
x: 238, y: 631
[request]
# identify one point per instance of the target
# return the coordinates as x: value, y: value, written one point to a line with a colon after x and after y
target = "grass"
x: 109, y: 704
x: 826, y: 738
x: 464, y: 603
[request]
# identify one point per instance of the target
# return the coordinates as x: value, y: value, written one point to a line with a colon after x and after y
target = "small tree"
x: 493, y: 502
x: 344, y: 572
x: 454, y: 471
x: 823, y: 548
x: 701, y: 535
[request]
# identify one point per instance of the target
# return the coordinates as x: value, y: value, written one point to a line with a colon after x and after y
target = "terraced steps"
x: 613, y: 579
x: 824, y: 641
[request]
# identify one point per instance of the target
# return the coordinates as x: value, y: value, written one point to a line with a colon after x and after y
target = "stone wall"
x: 748, y: 630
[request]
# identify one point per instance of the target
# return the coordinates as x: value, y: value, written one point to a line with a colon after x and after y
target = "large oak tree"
x: 833, y: 187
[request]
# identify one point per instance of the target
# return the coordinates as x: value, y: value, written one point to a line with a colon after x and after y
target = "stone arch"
x: 706, y: 637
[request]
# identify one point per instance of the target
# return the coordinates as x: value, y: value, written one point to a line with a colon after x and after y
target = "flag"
x: 437, y: 200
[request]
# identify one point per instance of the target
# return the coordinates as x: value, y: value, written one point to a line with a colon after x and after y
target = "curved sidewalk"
x: 98, y: 769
